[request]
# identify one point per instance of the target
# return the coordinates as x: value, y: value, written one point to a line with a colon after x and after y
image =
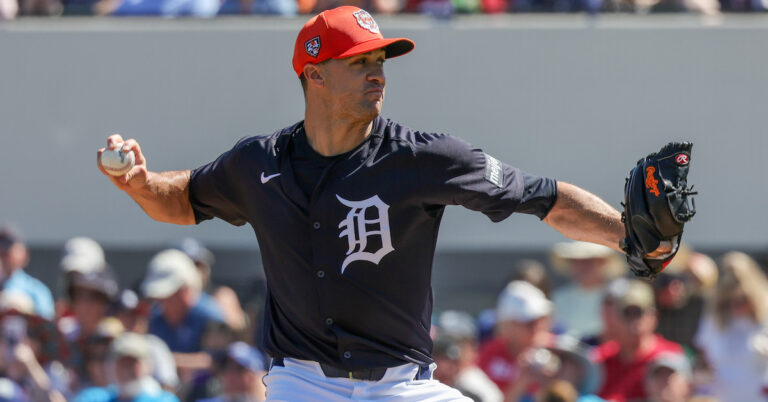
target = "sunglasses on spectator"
x: 88, y: 295
x: 630, y: 313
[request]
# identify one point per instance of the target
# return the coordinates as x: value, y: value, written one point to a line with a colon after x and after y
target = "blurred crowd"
x: 442, y: 9
x: 173, y: 336
x: 698, y: 332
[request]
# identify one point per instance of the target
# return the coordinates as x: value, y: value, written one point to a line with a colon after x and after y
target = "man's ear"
x: 314, y: 75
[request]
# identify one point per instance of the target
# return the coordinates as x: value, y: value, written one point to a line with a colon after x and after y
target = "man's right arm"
x: 164, y: 196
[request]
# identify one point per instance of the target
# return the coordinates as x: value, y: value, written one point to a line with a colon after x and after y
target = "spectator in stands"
x: 205, y: 384
x: 704, y: 7
x: 626, y: 358
x: 612, y: 292
x: 132, y: 311
x: 96, y: 350
x: 181, y: 316
x: 164, y: 8
x: 731, y: 334
x: 14, y: 256
x: 23, y: 375
x: 269, y: 7
x: 577, y: 304
x: 523, y: 322
x: 90, y: 296
x: 224, y: 296
x: 240, y: 375
x: 681, y: 297
x: 133, y: 314
x: 128, y: 366
x: 557, y: 369
x: 455, y: 353
x: 374, y: 6
x: 40, y: 8
x: 80, y: 255
x: 668, y: 379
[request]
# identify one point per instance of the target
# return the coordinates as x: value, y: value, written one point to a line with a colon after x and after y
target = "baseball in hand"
x: 116, y: 162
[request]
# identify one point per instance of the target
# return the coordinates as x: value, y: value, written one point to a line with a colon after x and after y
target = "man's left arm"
x: 581, y: 215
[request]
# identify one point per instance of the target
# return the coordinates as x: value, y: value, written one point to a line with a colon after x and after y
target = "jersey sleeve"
x: 214, y: 188
x: 452, y: 172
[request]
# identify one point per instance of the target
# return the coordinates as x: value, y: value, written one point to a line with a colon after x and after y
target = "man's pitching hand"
x: 137, y: 176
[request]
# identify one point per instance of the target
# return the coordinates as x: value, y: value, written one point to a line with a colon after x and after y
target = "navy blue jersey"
x: 348, y: 267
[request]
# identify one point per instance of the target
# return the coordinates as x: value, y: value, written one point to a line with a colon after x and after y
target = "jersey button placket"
x: 320, y: 274
x: 316, y: 225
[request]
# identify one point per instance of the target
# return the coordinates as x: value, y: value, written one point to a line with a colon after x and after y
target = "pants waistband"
x: 371, y: 374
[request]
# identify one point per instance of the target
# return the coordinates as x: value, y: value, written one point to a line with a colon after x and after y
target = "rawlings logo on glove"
x: 657, y: 204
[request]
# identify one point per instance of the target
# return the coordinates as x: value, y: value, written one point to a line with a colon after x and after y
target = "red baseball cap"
x: 343, y: 32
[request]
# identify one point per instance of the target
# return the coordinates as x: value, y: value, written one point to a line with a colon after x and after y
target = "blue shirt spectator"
x: 130, y: 357
x: 187, y: 336
x: 36, y: 290
x: 13, y: 258
x: 183, y: 311
x: 110, y: 394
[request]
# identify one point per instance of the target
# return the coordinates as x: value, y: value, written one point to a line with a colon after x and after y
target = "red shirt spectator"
x: 498, y: 363
x: 523, y: 323
x: 623, y: 380
x: 626, y: 358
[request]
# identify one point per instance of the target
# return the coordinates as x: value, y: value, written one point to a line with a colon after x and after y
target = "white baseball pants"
x: 301, y: 380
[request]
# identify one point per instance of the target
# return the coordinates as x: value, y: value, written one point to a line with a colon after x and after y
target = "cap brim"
x: 80, y: 263
x: 393, y: 47
x: 160, y: 288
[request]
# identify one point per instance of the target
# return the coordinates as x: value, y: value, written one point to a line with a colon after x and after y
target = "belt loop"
x: 423, y: 373
x: 277, y: 361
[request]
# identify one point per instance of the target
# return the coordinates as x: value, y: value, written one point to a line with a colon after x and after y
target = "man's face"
x: 13, y: 256
x: 356, y: 85
x: 96, y: 354
x: 634, y: 323
x: 128, y: 368
x: 666, y: 385
x: 176, y: 306
x: 587, y: 272
x: 447, y: 370
x: 238, y: 380
x: 523, y: 335
x: 89, y: 307
x: 672, y: 291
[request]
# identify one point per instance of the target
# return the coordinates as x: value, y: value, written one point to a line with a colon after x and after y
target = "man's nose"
x: 377, y: 76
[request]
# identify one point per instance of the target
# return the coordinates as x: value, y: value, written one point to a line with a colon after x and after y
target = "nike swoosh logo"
x: 265, y: 179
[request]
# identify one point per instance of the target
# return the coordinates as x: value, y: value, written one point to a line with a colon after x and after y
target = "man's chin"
x: 373, y: 112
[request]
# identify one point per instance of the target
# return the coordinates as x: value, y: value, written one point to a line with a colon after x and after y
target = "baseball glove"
x: 657, y: 204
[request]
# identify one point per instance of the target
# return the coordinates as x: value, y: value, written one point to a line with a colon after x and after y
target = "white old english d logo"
x: 355, y: 228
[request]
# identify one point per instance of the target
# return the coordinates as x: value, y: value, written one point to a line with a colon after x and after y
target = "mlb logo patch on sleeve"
x: 493, y: 171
